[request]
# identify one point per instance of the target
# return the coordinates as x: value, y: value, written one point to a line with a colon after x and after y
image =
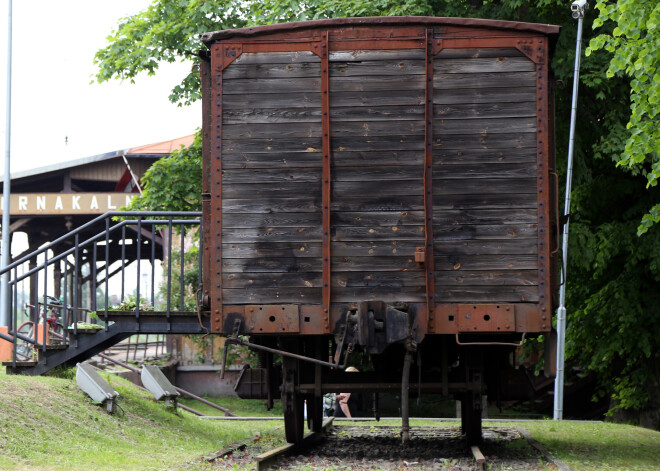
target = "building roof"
x: 149, y: 151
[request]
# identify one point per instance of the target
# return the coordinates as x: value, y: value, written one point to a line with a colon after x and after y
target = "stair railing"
x: 140, y: 235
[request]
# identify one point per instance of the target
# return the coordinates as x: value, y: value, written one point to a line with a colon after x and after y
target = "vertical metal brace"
x: 45, y: 298
x: 221, y: 55
x: 138, y: 256
x: 74, y: 289
x: 153, y: 264
x: 182, y: 261
x: 429, y: 265
x: 169, y: 271
x: 107, y: 273
x: 543, y: 150
x: 326, y: 181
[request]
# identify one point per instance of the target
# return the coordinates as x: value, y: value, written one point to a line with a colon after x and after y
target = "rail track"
x: 350, y: 446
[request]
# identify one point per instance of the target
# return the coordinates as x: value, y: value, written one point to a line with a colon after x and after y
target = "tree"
x: 612, y: 273
x: 634, y: 44
x: 173, y: 183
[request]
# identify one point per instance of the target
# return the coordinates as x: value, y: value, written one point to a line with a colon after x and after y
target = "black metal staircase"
x: 107, y: 246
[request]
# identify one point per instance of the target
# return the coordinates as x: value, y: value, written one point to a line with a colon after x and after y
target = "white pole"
x: 578, y: 8
x: 6, y: 246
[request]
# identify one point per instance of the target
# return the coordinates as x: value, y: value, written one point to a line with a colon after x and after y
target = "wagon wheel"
x: 292, y: 401
x: 471, y: 418
x: 316, y: 347
x: 314, y: 413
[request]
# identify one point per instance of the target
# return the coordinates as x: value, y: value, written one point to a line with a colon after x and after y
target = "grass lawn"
x: 590, y: 446
x: 49, y: 424
x: 240, y: 407
x: 599, y: 446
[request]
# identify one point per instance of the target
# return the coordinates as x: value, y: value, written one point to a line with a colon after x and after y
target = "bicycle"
x: 56, y: 332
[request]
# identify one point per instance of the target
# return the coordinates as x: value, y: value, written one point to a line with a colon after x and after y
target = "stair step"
x: 20, y: 363
x: 62, y: 346
x: 86, y: 331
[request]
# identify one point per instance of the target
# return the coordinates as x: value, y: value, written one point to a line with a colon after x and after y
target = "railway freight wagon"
x: 382, y: 189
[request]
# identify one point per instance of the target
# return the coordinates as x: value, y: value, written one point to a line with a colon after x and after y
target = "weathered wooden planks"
x: 484, y: 130
x: 272, y: 100
x: 482, y: 65
x: 483, y: 95
x: 483, y: 262
x: 289, y: 58
x: 487, y: 169
x: 275, y: 85
x: 361, y: 55
x: 442, y: 232
x: 240, y: 71
x: 481, y: 156
x: 379, y: 117
x: 452, y: 81
x: 272, y: 116
x: 272, y: 205
x: 268, y: 145
x: 491, y: 110
x: 267, y: 130
x: 403, y: 97
x: 487, y: 278
x: 477, y: 52
x: 272, y: 250
x: 484, y: 126
x: 486, y: 247
x: 271, y: 265
x: 493, y: 142
x: 487, y: 294
x: 484, y: 177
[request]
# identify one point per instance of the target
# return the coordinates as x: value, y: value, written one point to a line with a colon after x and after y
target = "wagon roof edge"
x: 546, y: 29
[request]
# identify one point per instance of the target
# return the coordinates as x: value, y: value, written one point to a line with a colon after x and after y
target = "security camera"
x: 578, y: 7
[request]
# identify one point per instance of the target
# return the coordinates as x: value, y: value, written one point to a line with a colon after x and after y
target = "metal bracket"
x: 504, y: 344
x: 233, y: 339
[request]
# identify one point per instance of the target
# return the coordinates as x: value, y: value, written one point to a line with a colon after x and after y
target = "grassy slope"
x: 240, y: 407
x: 48, y: 423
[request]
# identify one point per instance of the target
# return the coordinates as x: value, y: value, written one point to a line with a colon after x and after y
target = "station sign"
x: 35, y: 204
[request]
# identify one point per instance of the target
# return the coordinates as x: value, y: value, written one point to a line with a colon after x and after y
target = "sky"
x: 57, y: 115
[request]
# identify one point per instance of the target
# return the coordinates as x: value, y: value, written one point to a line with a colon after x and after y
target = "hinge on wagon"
x: 420, y: 255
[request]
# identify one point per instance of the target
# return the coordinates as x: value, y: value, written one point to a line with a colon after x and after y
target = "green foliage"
x: 167, y: 31
x: 634, y: 44
x: 173, y: 183
x: 130, y: 303
x: 613, y: 279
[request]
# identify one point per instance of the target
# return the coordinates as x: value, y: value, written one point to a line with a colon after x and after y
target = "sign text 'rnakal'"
x: 67, y: 203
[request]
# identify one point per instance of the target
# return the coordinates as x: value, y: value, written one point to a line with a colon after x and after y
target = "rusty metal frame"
x: 536, y: 49
x: 215, y: 187
x: 486, y: 318
x: 545, y: 206
x: 205, y: 77
x: 429, y: 264
x: 326, y: 186
x: 515, y: 27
